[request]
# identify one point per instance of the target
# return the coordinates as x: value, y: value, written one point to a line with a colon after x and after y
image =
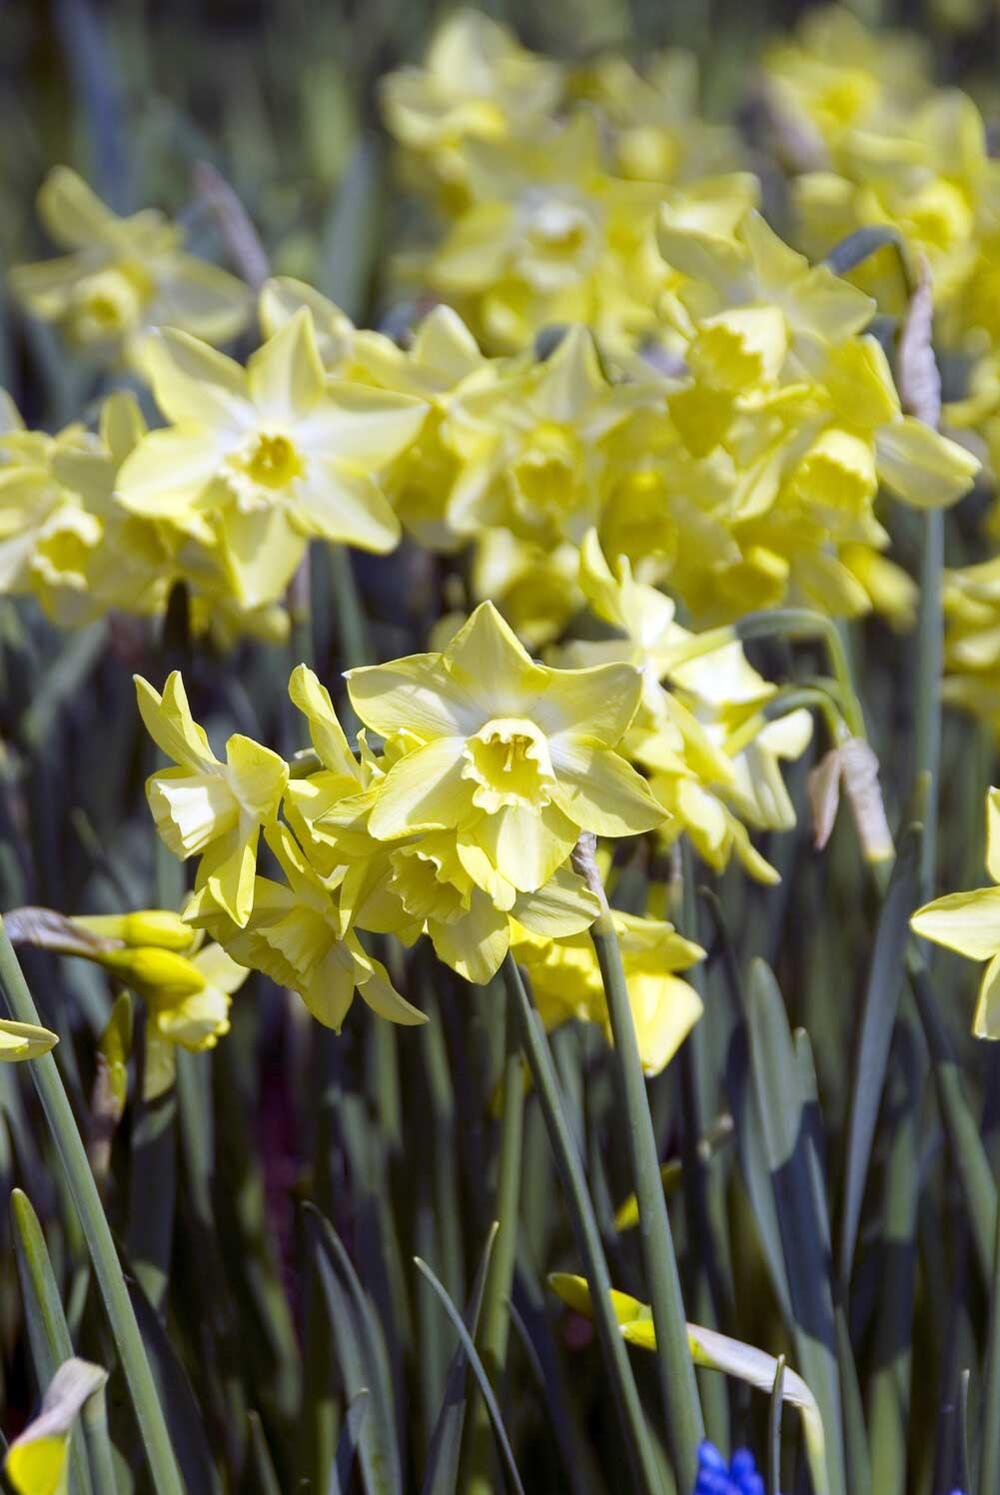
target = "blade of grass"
x: 777, y: 1084
x: 441, y: 1476
x: 495, y: 1328
x: 111, y: 1282
x: 878, y: 1018
x: 478, y: 1370
x: 774, y: 1430
x: 361, y: 1354
x: 262, y: 1470
x: 348, y: 1443
x: 989, y: 1464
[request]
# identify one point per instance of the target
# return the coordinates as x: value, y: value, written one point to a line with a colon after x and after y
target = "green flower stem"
x: 645, y: 1472
x: 684, y: 1423
x: 494, y: 1322
x: 352, y: 632
x: 80, y: 1180
x: 930, y: 652
x: 790, y: 623
x: 989, y: 1468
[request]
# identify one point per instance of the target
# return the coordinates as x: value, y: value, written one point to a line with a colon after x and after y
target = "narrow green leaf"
x: 441, y: 1474
x: 774, y: 1430
x: 878, y: 1017
x: 362, y: 1357
x: 348, y: 1443
x: 187, y: 1430
x: 478, y: 1370
x: 262, y: 1471
x: 48, y: 1332
x: 778, y: 1088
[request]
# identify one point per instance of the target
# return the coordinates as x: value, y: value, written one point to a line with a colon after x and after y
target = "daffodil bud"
x: 149, y: 926
x: 161, y: 977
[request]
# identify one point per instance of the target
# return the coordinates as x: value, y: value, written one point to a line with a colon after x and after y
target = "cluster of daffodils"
x: 622, y: 344
x: 543, y: 180
x: 460, y: 825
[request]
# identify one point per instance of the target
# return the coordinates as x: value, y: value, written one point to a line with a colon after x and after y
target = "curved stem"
x: 107, y: 1268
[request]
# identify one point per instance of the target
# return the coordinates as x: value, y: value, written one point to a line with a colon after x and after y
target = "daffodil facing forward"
x: 259, y: 459
x: 515, y: 757
x: 123, y: 276
x: 970, y: 924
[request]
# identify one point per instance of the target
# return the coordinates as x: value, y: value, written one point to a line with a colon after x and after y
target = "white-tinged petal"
x: 285, y: 378
x: 415, y: 695
x: 423, y: 791
x: 197, y: 385
x: 600, y: 791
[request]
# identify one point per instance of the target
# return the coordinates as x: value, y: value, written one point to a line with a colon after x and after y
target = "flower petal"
x: 377, y: 990
x: 196, y: 384
x: 599, y: 702
x: 966, y: 922
x: 475, y: 944
x: 986, y: 1022
x: 488, y: 661
x: 416, y: 695
x: 169, y: 722
x: 527, y: 846
x: 423, y: 791
x: 563, y: 906
x: 600, y: 792
x: 258, y: 777
x: 285, y: 378
x: 167, y: 473
x: 921, y: 466
x: 349, y: 508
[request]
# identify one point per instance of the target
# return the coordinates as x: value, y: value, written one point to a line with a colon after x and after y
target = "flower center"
x: 508, y: 760
x: 273, y: 462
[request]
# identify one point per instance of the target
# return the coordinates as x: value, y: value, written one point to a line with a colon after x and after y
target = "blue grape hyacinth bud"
x: 716, y: 1477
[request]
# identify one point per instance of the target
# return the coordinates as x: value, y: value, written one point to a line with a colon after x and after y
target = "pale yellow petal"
x: 423, y: 791
x: 966, y: 922
x: 600, y: 792
x: 416, y: 695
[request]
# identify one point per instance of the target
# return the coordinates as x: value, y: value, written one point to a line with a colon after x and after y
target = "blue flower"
x: 716, y: 1477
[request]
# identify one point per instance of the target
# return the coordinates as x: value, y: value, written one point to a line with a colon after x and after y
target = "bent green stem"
x: 536, y: 1051
x: 107, y: 1268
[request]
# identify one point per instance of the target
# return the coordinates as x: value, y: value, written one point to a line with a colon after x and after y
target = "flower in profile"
x: 203, y: 807
x: 969, y: 923
x: 566, y: 982
x: 298, y: 935
x: 259, y: 459
x: 123, y: 276
x: 515, y: 757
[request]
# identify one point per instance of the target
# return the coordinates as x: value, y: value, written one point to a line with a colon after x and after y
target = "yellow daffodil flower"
x: 566, y: 982
x: 123, y: 276
x: 258, y: 459
x: 516, y: 757
x: 205, y: 807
